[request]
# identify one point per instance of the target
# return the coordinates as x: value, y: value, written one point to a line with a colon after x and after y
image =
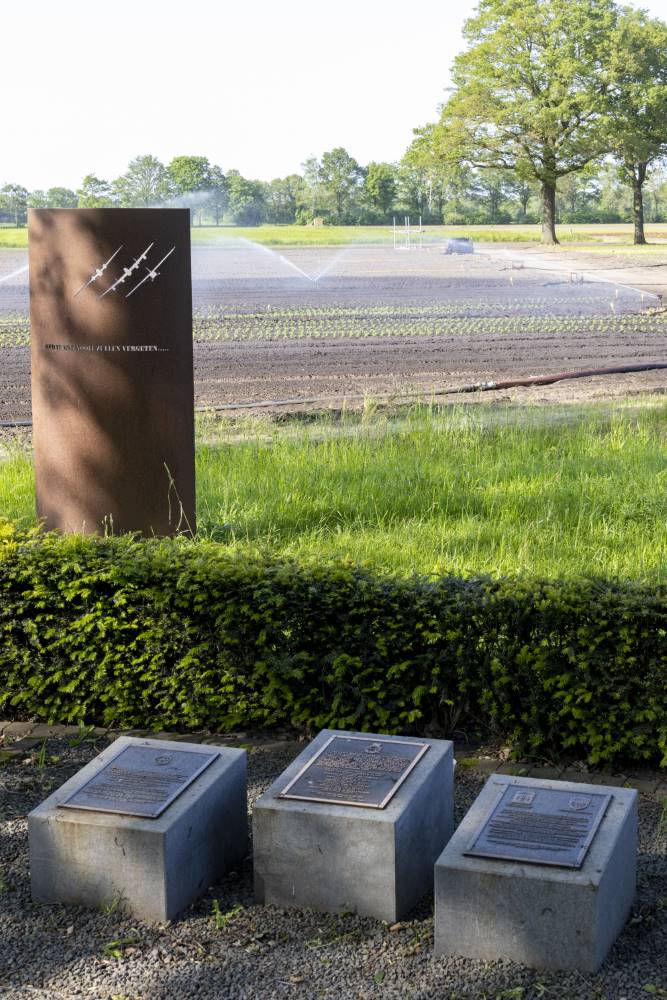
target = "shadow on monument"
x: 113, y: 404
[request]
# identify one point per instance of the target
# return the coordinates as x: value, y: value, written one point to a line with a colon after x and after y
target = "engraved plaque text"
x: 141, y: 781
x: 544, y: 826
x: 355, y: 771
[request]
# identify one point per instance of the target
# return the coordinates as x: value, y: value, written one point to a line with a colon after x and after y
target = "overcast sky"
x: 259, y: 85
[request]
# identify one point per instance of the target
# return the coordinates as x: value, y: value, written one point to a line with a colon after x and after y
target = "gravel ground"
x: 227, y: 948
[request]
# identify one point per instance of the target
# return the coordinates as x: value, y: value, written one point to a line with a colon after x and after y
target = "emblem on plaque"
x: 163, y: 758
x: 578, y: 803
x: 523, y: 798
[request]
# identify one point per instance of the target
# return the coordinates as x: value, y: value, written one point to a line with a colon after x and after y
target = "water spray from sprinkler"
x: 14, y: 274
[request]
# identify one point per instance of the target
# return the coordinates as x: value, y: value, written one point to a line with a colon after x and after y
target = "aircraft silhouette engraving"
x: 153, y: 273
x: 127, y: 271
x: 98, y: 272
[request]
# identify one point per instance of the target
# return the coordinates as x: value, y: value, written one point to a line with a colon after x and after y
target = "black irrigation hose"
x: 473, y: 387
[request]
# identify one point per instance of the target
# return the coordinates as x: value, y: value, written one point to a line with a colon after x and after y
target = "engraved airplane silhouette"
x: 127, y: 271
x: 153, y: 273
x: 99, y: 271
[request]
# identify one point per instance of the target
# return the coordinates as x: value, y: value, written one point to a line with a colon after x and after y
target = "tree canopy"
x: 636, y: 123
x: 528, y: 91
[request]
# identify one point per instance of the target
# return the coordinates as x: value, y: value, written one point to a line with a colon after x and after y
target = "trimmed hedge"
x: 169, y: 633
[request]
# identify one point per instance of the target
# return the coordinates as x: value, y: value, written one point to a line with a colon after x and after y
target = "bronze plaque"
x: 545, y: 826
x: 140, y: 781
x: 355, y: 771
x: 112, y: 386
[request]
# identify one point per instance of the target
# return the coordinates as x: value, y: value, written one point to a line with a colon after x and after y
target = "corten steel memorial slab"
x: 112, y: 372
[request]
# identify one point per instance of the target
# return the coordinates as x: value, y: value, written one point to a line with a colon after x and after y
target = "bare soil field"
x: 316, y: 325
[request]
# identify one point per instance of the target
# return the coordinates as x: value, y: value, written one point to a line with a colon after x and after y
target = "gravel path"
x: 226, y: 947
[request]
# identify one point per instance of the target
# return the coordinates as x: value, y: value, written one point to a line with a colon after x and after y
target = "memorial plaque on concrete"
x: 540, y: 825
x: 314, y: 846
x: 356, y: 771
x: 566, y: 908
x: 148, y: 824
x: 140, y: 781
x: 111, y: 355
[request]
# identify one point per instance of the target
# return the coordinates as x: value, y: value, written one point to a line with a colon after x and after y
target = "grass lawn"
x: 482, y: 489
x: 342, y: 235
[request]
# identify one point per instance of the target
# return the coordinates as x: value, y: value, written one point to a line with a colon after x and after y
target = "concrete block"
x: 155, y: 867
x: 338, y: 857
x: 539, y: 915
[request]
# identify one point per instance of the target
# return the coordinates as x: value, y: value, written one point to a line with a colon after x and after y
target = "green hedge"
x: 170, y: 633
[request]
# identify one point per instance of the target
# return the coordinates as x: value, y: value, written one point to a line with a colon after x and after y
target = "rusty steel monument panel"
x: 112, y: 373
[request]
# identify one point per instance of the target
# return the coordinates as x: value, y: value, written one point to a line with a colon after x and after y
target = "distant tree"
x: 340, y: 179
x: 145, y: 183
x: 284, y: 196
x: 191, y: 179
x: 521, y: 191
x: 579, y: 196
x: 61, y: 197
x: 314, y: 204
x: 246, y: 200
x: 614, y: 203
x: 529, y: 91
x: 190, y: 173
x: 637, y: 103
x: 95, y: 193
x: 38, y: 199
x: 218, y: 200
x: 656, y: 196
x: 432, y: 177
x: 14, y: 202
x: 380, y: 188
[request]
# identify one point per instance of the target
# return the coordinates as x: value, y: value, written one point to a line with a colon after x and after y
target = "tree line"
x: 557, y: 113
x: 372, y: 195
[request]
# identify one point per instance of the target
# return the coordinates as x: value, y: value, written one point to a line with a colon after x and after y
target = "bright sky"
x: 259, y: 85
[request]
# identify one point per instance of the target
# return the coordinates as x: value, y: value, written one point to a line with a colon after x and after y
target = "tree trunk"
x: 549, y: 213
x: 638, y: 178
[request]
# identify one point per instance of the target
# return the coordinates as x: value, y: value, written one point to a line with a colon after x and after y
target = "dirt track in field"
x: 301, y: 302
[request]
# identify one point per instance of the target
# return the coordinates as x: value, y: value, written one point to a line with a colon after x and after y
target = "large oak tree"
x: 529, y: 91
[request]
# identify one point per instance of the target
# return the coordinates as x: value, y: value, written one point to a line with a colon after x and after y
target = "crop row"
x: 266, y: 327
x: 455, y: 307
x: 212, y: 327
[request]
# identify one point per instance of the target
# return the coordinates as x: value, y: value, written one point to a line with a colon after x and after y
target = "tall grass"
x: 479, y: 490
